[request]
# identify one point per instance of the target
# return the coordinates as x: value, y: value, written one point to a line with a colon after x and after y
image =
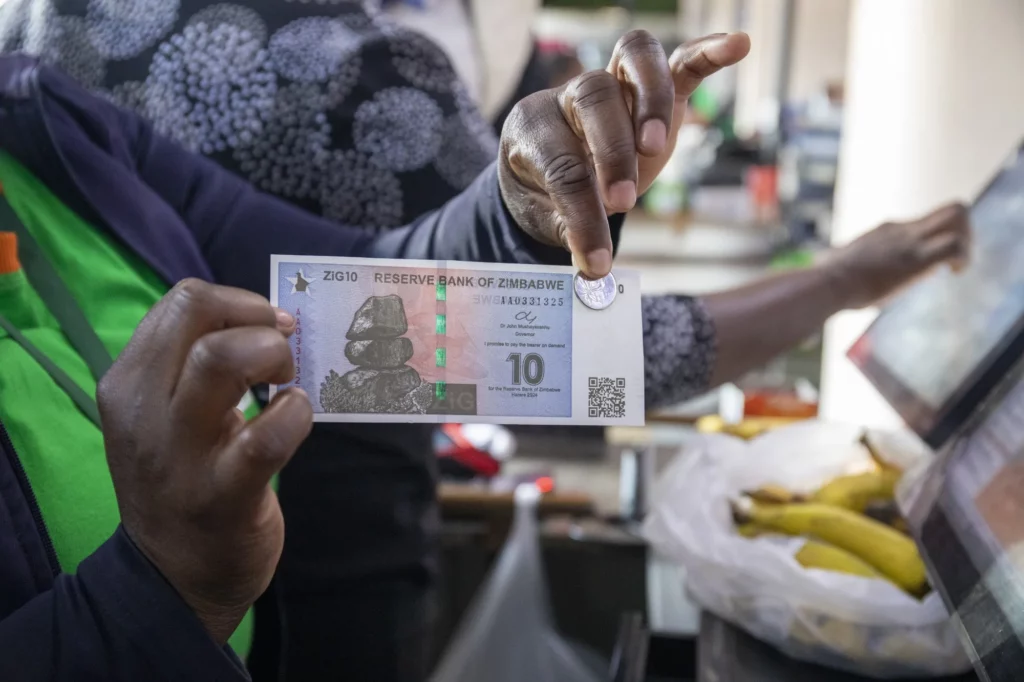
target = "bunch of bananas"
x: 748, y: 429
x: 850, y: 525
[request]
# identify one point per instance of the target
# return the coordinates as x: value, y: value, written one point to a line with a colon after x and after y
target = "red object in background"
x: 467, y: 454
x: 763, y: 186
x: 550, y: 47
x: 778, y: 404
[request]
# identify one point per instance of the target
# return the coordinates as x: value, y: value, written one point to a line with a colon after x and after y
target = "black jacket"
x: 117, y: 618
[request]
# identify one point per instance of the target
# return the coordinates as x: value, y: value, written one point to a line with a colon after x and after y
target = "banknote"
x: 441, y: 341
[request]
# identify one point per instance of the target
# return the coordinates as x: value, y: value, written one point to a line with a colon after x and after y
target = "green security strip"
x: 442, y: 325
x: 440, y: 390
x: 442, y: 291
x: 439, y: 357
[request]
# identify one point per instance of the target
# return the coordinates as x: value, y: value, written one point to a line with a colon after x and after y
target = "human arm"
x: 239, y: 228
x: 557, y: 172
x: 556, y: 169
x: 199, y: 536
x: 115, y: 619
x: 201, y: 530
x: 692, y: 345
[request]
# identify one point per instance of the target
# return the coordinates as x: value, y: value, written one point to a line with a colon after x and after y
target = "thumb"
x: 261, y: 448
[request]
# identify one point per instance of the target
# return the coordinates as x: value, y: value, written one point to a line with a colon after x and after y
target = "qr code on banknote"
x: 607, y: 398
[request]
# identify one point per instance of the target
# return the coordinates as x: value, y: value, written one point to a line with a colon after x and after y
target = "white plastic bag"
x: 508, y: 633
x: 869, y: 627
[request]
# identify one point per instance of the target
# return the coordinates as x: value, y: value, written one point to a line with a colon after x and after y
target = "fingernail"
x: 284, y: 319
x: 599, y: 262
x: 300, y: 391
x: 622, y: 195
x: 652, y: 136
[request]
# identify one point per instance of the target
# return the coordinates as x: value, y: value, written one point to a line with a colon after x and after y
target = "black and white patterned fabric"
x: 326, y: 103
x: 329, y: 104
x: 679, y: 348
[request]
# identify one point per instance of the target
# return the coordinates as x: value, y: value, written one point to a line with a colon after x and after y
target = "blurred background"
x: 846, y: 114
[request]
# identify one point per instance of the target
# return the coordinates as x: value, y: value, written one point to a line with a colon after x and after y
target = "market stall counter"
x: 727, y: 654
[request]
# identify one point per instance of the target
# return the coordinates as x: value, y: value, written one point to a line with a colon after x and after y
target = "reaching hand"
x: 191, y: 476
x: 573, y: 155
x: 891, y: 256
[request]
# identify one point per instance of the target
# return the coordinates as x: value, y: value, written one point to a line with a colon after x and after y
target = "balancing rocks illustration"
x: 381, y: 382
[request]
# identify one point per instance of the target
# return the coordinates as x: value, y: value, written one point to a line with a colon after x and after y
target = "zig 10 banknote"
x: 441, y: 341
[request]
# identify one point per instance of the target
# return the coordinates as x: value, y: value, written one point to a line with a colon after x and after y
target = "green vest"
x: 60, y: 449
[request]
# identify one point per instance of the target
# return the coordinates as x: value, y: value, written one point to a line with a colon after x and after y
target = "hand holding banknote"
x: 192, y: 478
x: 573, y: 155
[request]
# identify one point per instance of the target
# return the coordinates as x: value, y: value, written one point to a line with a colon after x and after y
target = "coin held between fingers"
x: 596, y: 294
x: 598, y: 260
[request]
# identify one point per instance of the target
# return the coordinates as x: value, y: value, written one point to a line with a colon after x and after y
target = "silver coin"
x: 596, y: 294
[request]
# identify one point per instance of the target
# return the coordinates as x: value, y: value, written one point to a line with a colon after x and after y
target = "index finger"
x: 221, y: 367
x: 947, y: 235
x: 949, y: 218
x: 192, y: 309
x: 580, y: 219
x: 694, y: 61
x: 548, y: 175
x: 640, y: 65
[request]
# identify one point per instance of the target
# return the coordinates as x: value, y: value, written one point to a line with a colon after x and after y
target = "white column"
x: 934, y: 102
x: 722, y: 16
x: 701, y: 17
x: 820, y: 36
x: 757, y: 105
x: 690, y: 17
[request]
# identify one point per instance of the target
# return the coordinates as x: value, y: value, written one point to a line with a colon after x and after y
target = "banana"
x: 819, y: 555
x: 876, y: 456
x: 752, y: 428
x: 858, y: 491
x: 750, y: 530
x: 773, y: 494
x: 815, y: 554
x: 902, y: 526
x: 746, y: 429
x: 887, y: 512
x: 711, y: 423
x: 890, y: 552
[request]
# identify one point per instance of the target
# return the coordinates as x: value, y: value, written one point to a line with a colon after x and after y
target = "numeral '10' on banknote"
x: 440, y: 341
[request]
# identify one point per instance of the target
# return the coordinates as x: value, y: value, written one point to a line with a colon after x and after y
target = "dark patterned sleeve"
x: 679, y: 349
